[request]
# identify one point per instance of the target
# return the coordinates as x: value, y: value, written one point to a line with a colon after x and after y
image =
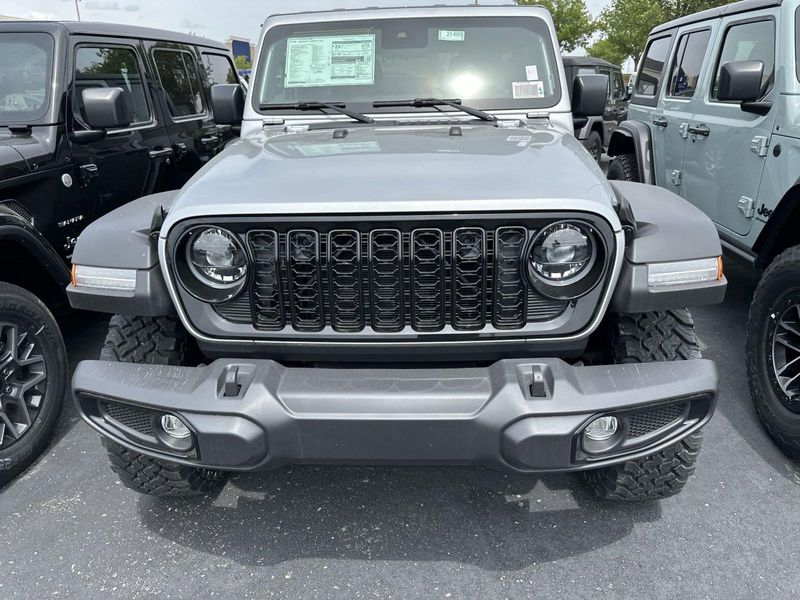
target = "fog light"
x: 174, y: 427
x: 601, y: 429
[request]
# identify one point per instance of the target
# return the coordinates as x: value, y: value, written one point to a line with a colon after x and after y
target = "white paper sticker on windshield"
x: 330, y: 60
x: 452, y: 36
x: 527, y: 89
x: 532, y: 71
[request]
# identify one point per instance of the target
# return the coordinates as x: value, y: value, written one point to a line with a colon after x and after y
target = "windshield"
x: 26, y: 62
x: 488, y: 63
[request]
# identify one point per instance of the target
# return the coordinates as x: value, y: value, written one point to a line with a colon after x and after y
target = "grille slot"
x: 647, y: 421
x: 131, y: 417
x: 387, y: 280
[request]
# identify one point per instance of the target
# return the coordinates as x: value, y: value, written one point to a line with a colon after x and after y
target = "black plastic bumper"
x: 526, y: 415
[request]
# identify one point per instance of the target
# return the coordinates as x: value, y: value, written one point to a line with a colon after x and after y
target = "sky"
x: 215, y: 19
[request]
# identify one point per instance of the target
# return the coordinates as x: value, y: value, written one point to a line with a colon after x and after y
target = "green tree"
x: 242, y: 63
x: 573, y: 21
x: 625, y: 24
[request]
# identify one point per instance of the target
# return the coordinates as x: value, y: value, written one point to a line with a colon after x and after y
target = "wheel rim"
x: 786, y: 354
x: 23, y: 382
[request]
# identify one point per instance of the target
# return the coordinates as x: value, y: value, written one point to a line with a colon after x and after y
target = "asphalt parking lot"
x: 69, y: 529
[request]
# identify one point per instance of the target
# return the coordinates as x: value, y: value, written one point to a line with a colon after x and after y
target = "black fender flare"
x: 634, y: 137
x: 15, y: 229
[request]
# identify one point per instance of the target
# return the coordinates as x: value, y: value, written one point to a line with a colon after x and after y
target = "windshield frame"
x: 42, y: 114
x: 515, y: 15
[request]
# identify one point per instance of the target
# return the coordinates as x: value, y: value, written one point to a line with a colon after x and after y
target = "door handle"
x: 207, y: 141
x: 161, y: 152
x: 700, y: 130
x: 660, y: 122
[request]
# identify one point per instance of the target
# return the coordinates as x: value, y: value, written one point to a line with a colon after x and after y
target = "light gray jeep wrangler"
x: 377, y: 272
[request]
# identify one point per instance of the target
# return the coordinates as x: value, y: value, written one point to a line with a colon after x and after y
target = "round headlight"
x: 561, y: 253
x: 565, y: 260
x: 217, y: 258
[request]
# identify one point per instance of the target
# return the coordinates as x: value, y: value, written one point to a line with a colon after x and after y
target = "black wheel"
x: 33, y: 374
x: 594, y: 144
x: 773, y: 351
x: 155, y: 341
x: 624, y: 168
x: 640, y: 338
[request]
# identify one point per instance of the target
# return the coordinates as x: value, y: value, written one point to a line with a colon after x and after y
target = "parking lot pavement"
x: 68, y: 529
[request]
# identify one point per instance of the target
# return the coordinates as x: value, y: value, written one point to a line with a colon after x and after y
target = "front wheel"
x: 594, y: 144
x: 641, y: 338
x: 33, y: 373
x: 773, y: 351
x: 153, y: 341
x: 624, y: 167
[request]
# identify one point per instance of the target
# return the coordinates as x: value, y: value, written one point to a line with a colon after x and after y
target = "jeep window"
x: 26, y: 66
x: 753, y: 40
x: 111, y: 66
x: 686, y: 65
x: 652, y: 67
x: 219, y: 70
x: 617, y: 85
x: 180, y: 79
x: 489, y: 63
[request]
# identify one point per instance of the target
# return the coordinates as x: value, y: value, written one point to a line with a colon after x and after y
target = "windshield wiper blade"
x: 313, y: 105
x: 422, y: 102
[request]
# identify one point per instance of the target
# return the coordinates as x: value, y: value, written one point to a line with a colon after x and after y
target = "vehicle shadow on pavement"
x: 493, y: 520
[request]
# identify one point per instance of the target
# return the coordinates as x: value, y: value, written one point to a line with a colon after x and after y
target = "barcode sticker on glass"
x: 527, y: 89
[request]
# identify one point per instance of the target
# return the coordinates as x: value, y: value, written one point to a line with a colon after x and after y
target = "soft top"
x: 714, y: 13
x: 111, y: 29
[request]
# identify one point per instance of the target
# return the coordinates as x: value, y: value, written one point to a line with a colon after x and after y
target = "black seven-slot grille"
x: 386, y: 279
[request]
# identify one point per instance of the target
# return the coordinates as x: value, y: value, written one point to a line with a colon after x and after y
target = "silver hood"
x: 398, y: 169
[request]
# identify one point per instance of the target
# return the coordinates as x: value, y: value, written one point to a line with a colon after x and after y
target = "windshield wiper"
x: 312, y: 105
x: 422, y: 102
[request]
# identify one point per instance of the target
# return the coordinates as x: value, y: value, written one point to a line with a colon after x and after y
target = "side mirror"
x: 589, y: 93
x: 107, y: 108
x: 227, y: 103
x: 740, y: 81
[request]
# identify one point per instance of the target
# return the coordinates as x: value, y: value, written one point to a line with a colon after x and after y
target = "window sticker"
x: 532, y: 71
x: 452, y: 36
x: 330, y: 60
x: 527, y: 89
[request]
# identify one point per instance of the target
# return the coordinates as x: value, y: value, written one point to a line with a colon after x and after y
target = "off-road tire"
x: 642, y: 338
x: 153, y: 341
x: 780, y: 282
x: 18, y: 306
x: 624, y: 167
x: 594, y: 144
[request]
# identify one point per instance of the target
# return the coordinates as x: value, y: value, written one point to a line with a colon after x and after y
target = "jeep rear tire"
x: 594, y: 144
x: 33, y: 375
x: 641, y: 338
x: 153, y: 341
x: 624, y: 167
x: 773, y: 351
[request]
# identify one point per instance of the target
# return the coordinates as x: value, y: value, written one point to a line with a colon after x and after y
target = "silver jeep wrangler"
x: 407, y: 258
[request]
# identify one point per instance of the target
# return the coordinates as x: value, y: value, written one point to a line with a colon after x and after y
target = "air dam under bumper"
x: 527, y: 415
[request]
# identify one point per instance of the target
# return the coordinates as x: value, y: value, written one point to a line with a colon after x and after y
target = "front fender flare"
x: 635, y: 137
x: 15, y: 229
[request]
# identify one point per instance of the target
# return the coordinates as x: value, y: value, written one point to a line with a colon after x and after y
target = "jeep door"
x: 645, y: 107
x: 127, y: 163
x: 727, y: 146
x: 189, y: 122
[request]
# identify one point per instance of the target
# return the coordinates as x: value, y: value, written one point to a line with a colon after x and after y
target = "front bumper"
x: 526, y: 415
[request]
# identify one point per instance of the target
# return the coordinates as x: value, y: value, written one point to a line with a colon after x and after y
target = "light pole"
x: 78, y: 9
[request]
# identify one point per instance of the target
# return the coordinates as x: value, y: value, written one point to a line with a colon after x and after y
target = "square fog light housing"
x: 120, y: 280
x: 684, y: 272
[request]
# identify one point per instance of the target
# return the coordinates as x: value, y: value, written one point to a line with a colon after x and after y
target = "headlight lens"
x: 561, y: 253
x: 566, y: 260
x: 217, y: 258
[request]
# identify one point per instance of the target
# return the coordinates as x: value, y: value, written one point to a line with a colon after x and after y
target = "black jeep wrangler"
x: 91, y: 116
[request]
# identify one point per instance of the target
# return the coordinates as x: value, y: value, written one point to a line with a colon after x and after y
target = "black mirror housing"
x: 227, y: 102
x: 740, y: 81
x: 589, y: 93
x: 107, y: 108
